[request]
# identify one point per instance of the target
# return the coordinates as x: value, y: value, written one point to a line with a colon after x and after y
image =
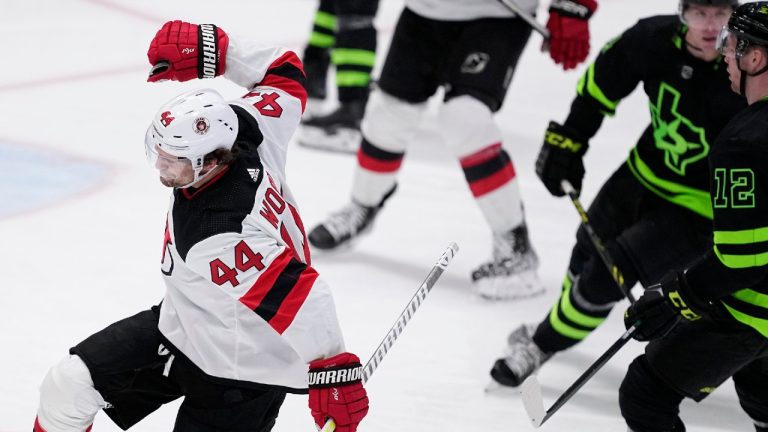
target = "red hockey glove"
x: 181, y: 51
x: 569, y: 31
x: 663, y: 306
x: 336, y: 392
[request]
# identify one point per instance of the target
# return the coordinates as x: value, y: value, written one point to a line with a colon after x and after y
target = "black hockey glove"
x: 662, y: 307
x: 560, y: 158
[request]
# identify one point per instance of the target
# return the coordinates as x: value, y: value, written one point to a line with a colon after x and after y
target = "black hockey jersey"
x: 690, y: 101
x: 735, y: 271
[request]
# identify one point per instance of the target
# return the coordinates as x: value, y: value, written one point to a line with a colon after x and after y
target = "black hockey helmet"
x: 749, y: 23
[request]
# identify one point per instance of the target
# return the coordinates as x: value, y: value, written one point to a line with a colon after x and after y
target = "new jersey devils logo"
x: 166, y: 119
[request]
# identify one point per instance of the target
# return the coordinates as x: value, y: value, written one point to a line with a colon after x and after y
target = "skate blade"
x: 343, y: 140
x: 523, y: 285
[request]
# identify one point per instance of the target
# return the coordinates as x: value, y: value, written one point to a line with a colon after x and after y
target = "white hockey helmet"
x: 192, y: 125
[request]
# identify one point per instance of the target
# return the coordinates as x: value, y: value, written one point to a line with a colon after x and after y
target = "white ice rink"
x: 82, y: 218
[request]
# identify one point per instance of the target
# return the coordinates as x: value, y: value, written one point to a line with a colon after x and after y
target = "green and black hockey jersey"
x: 735, y: 271
x: 690, y: 101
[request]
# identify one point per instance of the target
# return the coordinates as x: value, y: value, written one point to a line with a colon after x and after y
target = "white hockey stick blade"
x: 532, y: 400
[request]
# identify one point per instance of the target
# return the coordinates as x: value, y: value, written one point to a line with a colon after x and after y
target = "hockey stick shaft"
x: 525, y: 16
x: 404, y: 318
x: 612, y: 268
x: 579, y: 383
x: 534, y: 405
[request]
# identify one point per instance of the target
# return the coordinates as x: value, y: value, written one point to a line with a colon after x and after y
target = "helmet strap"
x: 745, y: 74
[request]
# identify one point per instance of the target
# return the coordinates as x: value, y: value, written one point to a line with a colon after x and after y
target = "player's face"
x: 704, y: 24
x: 174, y: 171
x: 727, y: 48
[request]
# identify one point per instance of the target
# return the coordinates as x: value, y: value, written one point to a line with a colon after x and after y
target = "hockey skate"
x: 511, y: 274
x: 337, y: 131
x: 343, y: 226
x: 521, y: 359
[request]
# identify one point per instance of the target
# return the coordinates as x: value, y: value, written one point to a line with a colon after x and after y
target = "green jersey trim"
x: 588, y: 80
x: 742, y: 261
x: 742, y: 237
x: 759, y: 324
x: 698, y: 201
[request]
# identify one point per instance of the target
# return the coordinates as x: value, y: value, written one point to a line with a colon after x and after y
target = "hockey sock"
x: 469, y: 130
x: 389, y: 126
x: 570, y: 320
x: 355, y: 52
x: 323, y: 35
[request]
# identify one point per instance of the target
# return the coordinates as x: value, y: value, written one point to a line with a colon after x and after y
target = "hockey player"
x: 722, y: 298
x: 470, y: 48
x: 245, y: 319
x: 342, y: 34
x: 654, y: 212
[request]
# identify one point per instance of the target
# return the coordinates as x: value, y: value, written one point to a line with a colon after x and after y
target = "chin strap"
x: 744, y: 74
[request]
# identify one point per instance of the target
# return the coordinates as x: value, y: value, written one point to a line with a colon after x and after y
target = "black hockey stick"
x: 402, y: 320
x: 531, y: 389
x: 528, y: 18
x: 612, y: 268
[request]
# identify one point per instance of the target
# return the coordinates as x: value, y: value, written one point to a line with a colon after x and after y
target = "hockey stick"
x: 612, y: 268
x: 531, y: 389
x: 402, y: 320
x: 528, y: 18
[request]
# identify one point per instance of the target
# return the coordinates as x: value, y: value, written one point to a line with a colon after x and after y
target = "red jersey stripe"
x: 293, y: 302
x: 255, y: 294
x: 292, y: 87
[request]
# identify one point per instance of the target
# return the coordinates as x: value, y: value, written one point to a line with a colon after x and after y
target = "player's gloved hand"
x: 181, y: 51
x: 336, y: 391
x: 560, y: 158
x: 569, y: 31
x: 662, y: 307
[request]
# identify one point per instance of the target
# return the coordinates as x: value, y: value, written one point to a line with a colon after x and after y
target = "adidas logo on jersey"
x: 254, y: 173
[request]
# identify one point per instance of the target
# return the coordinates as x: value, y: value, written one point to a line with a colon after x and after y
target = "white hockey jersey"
x: 242, y: 301
x: 465, y: 10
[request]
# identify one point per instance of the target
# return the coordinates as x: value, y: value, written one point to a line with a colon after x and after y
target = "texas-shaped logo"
x: 682, y: 141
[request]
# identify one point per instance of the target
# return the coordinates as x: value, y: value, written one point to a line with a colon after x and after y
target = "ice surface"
x: 73, y: 85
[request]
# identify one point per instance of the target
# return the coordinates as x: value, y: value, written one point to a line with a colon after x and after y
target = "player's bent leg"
x: 68, y: 400
x: 647, y: 403
x: 469, y: 130
x: 570, y: 320
x: 388, y: 128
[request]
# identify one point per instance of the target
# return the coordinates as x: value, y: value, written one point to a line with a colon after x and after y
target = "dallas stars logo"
x: 682, y: 141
